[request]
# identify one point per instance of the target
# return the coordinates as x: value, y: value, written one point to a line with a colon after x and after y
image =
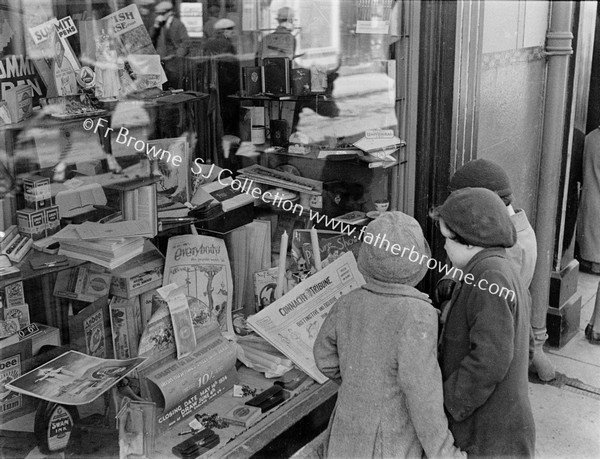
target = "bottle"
x: 55, y: 426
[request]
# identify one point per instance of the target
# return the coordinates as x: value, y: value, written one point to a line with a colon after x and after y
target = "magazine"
x: 292, y: 323
x: 200, y: 264
x: 73, y: 378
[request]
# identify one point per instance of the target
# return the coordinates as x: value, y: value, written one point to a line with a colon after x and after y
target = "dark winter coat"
x: 484, y: 361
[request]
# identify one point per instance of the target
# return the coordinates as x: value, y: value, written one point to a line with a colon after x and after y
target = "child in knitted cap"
x: 379, y: 342
x: 485, y: 334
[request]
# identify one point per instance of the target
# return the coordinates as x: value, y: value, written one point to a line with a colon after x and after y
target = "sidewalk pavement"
x: 567, y: 410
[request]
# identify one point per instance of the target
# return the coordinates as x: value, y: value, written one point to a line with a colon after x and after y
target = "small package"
x: 52, y: 220
x: 32, y: 223
x: 243, y: 415
x: 19, y: 100
x: 36, y: 190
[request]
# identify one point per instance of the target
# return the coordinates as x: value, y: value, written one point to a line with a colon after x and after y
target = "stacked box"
x: 52, y: 220
x: 138, y: 275
x: 36, y: 191
x: 19, y: 101
x: 12, y: 295
x: 32, y: 223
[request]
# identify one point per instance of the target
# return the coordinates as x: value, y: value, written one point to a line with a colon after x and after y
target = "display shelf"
x: 310, y: 399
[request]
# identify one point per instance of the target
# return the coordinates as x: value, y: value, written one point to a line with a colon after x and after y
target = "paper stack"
x: 255, y: 352
x: 379, y: 146
x: 108, y: 252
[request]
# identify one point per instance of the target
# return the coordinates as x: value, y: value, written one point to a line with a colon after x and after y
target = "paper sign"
x: 43, y: 31
x: 66, y: 27
x: 379, y: 133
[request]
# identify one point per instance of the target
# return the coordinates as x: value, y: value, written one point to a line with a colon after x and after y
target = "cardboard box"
x: 89, y: 330
x: 138, y: 275
x: 19, y: 100
x: 36, y: 191
x: 32, y: 223
x: 16, y: 359
x: 12, y: 295
x: 82, y: 283
x: 52, y: 220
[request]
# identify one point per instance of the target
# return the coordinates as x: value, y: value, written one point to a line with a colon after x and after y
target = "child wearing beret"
x: 484, y: 344
x: 487, y: 174
x: 379, y: 343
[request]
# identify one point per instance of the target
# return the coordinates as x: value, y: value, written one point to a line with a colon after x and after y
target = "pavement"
x: 567, y: 410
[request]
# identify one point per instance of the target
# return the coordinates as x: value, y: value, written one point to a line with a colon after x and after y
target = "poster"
x: 201, y: 265
x: 73, y: 378
x: 175, y: 181
x: 191, y: 16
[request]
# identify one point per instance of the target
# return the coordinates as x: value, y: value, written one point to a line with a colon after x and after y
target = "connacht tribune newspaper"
x: 292, y: 322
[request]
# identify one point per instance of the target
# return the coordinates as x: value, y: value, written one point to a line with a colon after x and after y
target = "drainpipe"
x: 558, y: 49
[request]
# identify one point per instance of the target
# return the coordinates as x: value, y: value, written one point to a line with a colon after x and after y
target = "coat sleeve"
x: 491, y: 344
x: 420, y: 379
x: 325, y: 349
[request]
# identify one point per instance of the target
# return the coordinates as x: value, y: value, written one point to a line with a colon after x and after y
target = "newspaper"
x: 292, y: 323
x: 200, y: 264
x: 73, y: 378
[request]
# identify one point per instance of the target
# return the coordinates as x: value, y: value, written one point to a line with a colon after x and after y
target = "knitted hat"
x: 382, y: 262
x: 485, y: 174
x: 479, y: 216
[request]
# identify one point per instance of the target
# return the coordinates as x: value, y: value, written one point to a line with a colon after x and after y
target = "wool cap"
x: 485, y: 174
x: 479, y: 216
x: 377, y: 260
x: 163, y: 7
x: 224, y: 23
x: 285, y: 14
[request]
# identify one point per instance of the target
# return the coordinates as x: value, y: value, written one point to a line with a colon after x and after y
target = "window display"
x: 228, y: 149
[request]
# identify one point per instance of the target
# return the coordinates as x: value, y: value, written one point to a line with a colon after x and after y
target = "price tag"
x: 27, y: 331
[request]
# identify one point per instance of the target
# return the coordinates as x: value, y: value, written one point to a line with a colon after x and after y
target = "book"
x: 252, y: 80
x: 355, y: 217
x: 388, y: 144
x: 265, y: 283
x: 221, y: 191
x: 276, y: 75
x: 300, y: 81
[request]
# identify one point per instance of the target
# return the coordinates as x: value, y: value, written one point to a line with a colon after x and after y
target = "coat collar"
x: 387, y: 288
x: 485, y: 253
